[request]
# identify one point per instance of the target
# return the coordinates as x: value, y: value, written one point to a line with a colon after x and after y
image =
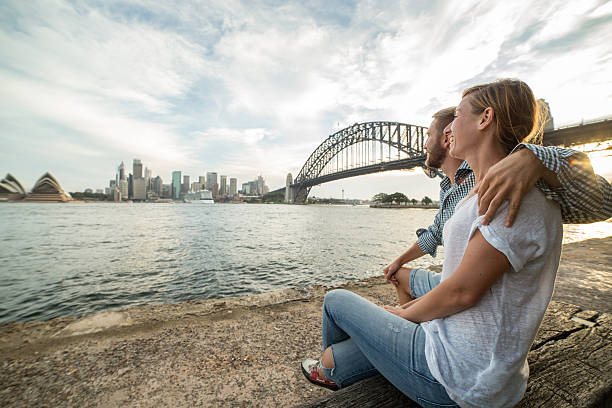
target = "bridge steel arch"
x: 404, y: 142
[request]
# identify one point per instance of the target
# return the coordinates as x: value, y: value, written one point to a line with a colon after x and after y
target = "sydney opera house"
x: 47, y: 189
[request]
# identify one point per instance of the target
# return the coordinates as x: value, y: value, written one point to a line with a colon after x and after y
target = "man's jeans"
x: 367, y: 340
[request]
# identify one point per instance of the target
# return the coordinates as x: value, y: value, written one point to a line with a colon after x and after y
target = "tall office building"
x: 156, y: 185
x: 195, y: 187
x: 166, y: 191
x: 211, y: 180
x: 122, y: 172
x: 140, y: 189
x: 137, y: 168
x: 176, y: 185
x: 260, y: 185
x: 130, y: 186
x: 202, y: 181
x: 233, y: 190
x: 185, y: 187
x: 223, y: 186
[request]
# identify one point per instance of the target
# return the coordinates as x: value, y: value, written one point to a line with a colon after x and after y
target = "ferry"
x: 200, y: 197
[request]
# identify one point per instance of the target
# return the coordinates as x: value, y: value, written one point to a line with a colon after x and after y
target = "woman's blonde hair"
x: 516, y: 113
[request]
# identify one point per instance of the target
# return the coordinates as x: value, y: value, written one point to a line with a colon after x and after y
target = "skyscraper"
x: 223, y: 186
x: 176, y: 185
x: 140, y: 189
x: 233, y: 190
x: 185, y: 187
x: 202, y: 181
x: 137, y: 170
x: 211, y: 180
x: 122, y: 172
x: 260, y: 185
x: 130, y: 182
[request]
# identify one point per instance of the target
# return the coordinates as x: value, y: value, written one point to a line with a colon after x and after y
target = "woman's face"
x: 464, y: 129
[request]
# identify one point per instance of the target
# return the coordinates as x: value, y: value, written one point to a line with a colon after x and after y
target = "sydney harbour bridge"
x: 373, y: 147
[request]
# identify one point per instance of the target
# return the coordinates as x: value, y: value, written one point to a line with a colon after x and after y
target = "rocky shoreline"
x: 241, y: 351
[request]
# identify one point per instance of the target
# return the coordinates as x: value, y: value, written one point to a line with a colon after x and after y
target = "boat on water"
x: 199, y: 197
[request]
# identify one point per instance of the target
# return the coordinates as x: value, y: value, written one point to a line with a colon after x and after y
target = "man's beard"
x: 435, y: 158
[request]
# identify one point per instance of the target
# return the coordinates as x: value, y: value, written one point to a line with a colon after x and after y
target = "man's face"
x: 436, y: 151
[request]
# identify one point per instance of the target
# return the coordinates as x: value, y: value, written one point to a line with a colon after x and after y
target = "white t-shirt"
x: 480, y: 354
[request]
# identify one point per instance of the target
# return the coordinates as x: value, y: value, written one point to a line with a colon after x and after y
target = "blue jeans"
x: 367, y: 340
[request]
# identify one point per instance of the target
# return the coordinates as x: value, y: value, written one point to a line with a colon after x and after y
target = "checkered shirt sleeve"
x: 450, y: 196
x: 584, y: 197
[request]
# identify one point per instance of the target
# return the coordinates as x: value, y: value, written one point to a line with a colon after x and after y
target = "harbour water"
x: 72, y: 259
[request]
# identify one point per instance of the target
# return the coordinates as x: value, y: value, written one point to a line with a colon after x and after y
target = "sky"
x: 244, y: 88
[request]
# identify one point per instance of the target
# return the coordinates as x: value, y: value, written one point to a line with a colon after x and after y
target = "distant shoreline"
x: 426, y: 206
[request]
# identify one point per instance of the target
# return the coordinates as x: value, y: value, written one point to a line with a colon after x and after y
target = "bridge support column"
x: 288, y: 190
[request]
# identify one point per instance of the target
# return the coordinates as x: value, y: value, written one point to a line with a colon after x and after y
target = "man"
x: 564, y: 175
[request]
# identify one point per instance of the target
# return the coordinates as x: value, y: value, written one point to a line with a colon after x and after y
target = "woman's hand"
x: 396, y: 310
x: 400, y: 310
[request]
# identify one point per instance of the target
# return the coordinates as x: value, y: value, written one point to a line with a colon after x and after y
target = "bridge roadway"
x: 579, y: 134
x: 591, y: 132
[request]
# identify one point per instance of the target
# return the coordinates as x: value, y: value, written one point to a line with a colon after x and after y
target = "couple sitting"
x: 461, y: 338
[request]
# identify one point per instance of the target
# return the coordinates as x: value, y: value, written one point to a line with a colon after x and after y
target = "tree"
x: 426, y: 200
x: 398, y: 197
x: 380, y: 198
x: 414, y: 201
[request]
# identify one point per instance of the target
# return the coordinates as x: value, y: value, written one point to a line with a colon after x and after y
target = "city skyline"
x: 140, y: 185
x: 254, y: 90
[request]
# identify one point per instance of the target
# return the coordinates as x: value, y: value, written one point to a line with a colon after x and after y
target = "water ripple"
x: 69, y: 260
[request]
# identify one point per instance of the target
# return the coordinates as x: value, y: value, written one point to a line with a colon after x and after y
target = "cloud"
x: 254, y: 87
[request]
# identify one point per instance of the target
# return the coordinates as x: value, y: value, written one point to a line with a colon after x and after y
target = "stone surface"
x: 246, y: 351
x: 570, y: 366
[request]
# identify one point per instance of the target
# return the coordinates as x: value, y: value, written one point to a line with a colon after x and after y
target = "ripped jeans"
x: 367, y: 340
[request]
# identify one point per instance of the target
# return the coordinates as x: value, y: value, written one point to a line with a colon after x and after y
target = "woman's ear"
x: 486, y: 118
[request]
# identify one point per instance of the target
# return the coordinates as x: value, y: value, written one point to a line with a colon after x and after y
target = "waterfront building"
x: 107, y: 191
x: 140, y: 189
x: 260, y: 185
x: 288, y: 190
x: 245, y: 188
x: 100, y: 191
x: 137, y: 168
x: 48, y: 189
x: 196, y: 187
x: 253, y: 190
x: 215, y: 191
x: 156, y: 185
x: 202, y: 181
x: 211, y: 180
x: 166, y: 191
x: 176, y: 185
x: 185, y: 186
x: 131, y: 186
x: 122, y: 172
x: 233, y: 189
x: 123, y: 188
x: 223, y: 186
x: 116, y: 194
x: 11, y: 188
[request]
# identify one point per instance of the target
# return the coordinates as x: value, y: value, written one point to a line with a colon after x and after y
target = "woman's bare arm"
x: 482, y: 265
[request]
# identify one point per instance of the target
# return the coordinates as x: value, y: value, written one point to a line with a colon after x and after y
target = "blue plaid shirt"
x: 583, y: 196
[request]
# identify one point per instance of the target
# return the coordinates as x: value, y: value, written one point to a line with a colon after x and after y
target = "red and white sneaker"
x: 310, y: 368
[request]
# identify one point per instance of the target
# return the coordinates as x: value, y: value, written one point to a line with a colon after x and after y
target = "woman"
x: 462, y: 342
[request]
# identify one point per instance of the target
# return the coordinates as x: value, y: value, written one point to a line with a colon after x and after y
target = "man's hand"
x: 509, y: 179
x: 390, y: 270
